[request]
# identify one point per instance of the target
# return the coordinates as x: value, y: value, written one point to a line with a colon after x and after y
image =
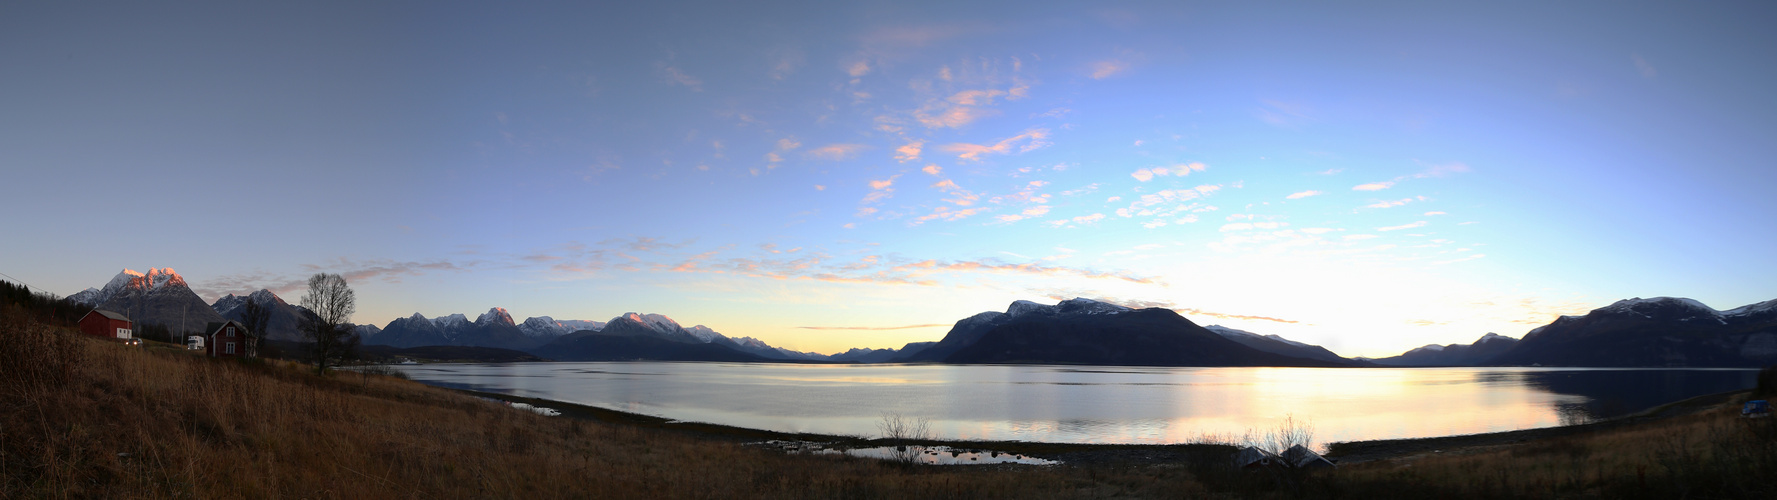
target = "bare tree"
x: 900, y: 432
x: 255, y: 317
x: 331, y: 303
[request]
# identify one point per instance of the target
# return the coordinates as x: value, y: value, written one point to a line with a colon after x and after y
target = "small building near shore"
x: 1252, y: 456
x: 1301, y: 457
x: 1296, y: 457
x: 230, y: 339
x: 108, y: 324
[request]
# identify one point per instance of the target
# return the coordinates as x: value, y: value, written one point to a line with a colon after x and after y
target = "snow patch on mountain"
x: 1751, y: 309
x: 655, y: 322
x: 497, y: 315
x: 1075, y: 305
x: 450, y: 322
x: 705, y: 334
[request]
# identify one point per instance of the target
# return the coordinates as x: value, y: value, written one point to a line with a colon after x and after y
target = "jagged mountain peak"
x: 497, y: 315
x: 1076, y: 305
x: 655, y: 322
x: 264, y: 296
x: 450, y: 321
x: 1494, y: 336
x: 704, y: 333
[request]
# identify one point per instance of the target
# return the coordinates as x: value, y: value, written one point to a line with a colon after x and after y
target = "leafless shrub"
x: 900, y: 432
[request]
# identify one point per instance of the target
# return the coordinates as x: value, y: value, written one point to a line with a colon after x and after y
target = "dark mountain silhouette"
x: 1478, y: 353
x: 1082, y: 331
x: 1279, y: 345
x: 630, y: 338
x: 285, y: 322
x: 1656, y: 332
x: 494, y: 328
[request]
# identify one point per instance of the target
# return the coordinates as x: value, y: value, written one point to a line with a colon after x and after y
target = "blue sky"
x: 1369, y: 178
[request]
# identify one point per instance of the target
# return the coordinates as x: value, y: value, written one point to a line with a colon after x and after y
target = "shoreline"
x: 1091, y: 454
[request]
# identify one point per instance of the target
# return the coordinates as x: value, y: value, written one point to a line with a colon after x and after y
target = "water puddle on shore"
x: 927, y: 455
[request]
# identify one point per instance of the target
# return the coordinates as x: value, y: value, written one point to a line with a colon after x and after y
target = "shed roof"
x: 110, y: 314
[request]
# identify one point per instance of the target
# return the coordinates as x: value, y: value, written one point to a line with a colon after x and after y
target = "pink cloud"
x: 909, y: 152
x: 1027, y: 141
x: 835, y: 151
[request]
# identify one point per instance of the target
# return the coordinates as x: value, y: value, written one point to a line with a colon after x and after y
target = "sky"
x: 826, y: 175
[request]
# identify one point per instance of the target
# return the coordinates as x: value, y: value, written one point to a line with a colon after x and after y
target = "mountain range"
x: 1656, y: 332
x: 157, y: 297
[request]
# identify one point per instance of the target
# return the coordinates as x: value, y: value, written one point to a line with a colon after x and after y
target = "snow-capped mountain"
x: 497, y: 315
x: 494, y: 328
x: 1659, y: 331
x: 157, y: 297
x: 547, y: 327
x: 285, y: 322
x: 1085, y: 331
x: 127, y: 280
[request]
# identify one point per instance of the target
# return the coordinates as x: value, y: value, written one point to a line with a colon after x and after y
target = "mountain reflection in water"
x: 1088, y: 404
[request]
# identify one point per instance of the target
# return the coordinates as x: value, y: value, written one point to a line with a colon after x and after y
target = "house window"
x: 230, y: 331
x: 231, y: 348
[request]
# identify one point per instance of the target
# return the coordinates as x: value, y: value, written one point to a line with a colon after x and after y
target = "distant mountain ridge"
x: 1656, y: 332
x: 285, y: 322
x: 1084, y: 331
x: 1278, y: 345
x: 1480, y: 352
x: 1636, y: 332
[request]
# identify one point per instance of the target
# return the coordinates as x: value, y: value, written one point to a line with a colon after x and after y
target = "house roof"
x: 1301, y: 457
x: 109, y: 314
x: 215, y: 328
x: 1252, y: 455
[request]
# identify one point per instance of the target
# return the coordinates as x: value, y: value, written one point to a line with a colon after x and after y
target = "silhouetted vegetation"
x: 1767, y: 382
x: 40, y: 307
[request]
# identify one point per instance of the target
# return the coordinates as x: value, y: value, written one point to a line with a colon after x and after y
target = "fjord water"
x: 1096, y: 404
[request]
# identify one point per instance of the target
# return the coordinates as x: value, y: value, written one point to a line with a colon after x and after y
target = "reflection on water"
x: 927, y: 455
x: 1097, y: 404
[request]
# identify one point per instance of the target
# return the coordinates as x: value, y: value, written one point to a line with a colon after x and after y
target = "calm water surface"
x: 1086, y: 404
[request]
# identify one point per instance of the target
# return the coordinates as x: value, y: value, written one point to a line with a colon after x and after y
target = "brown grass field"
x: 87, y: 418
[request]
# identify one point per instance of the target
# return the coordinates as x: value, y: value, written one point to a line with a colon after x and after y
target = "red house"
x: 230, y: 339
x: 102, y: 323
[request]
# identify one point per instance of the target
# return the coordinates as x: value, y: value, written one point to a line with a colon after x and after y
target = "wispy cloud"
x: 1402, y: 226
x: 1029, y: 140
x: 1303, y: 194
x: 1283, y: 114
x: 933, y: 169
x: 673, y: 75
x: 1374, y: 186
x: 1642, y: 66
x: 1390, y: 203
x: 1108, y: 68
x: 910, y: 151
x: 1181, y: 170
x: 835, y: 152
